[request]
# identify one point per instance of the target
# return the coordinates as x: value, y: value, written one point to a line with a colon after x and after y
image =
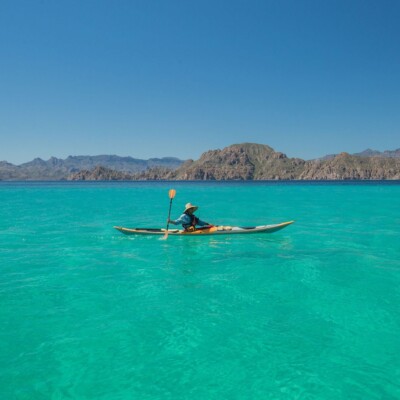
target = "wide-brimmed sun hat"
x: 188, y: 206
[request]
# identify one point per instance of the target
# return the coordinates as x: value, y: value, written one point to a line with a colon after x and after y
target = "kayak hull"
x: 213, y: 230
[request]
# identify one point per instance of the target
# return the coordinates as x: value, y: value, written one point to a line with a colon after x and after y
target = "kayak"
x: 208, y: 230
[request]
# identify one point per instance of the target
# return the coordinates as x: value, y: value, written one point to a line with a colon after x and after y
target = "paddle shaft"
x: 169, y: 212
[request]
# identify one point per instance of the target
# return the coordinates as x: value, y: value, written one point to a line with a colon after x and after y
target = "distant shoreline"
x: 216, y: 182
x: 238, y: 162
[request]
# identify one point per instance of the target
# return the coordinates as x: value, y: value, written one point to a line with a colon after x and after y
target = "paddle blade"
x: 165, y: 237
x: 171, y: 194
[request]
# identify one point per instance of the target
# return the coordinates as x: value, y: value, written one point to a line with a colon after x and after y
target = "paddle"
x: 171, y: 194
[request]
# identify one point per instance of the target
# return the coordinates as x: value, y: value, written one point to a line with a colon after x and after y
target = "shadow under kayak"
x: 213, y: 230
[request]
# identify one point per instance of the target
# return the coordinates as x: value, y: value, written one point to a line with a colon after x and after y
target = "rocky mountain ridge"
x: 250, y: 161
x: 348, y: 167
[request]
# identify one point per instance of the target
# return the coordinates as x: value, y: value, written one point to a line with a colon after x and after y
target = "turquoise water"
x: 310, y: 312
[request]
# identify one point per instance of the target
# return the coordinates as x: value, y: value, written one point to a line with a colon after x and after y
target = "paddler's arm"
x: 183, y: 219
x: 202, y: 223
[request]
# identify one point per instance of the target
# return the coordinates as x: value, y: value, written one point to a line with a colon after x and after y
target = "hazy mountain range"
x: 246, y: 161
x: 370, y: 153
x: 58, y: 169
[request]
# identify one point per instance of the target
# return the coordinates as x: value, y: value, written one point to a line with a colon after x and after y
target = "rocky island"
x: 250, y: 161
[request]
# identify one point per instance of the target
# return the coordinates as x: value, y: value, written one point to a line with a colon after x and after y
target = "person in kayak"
x: 188, y: 220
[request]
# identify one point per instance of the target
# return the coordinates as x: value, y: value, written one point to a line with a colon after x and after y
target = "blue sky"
x: 176, y: 78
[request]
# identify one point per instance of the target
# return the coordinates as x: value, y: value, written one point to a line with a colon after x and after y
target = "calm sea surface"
x: 310, y: 312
